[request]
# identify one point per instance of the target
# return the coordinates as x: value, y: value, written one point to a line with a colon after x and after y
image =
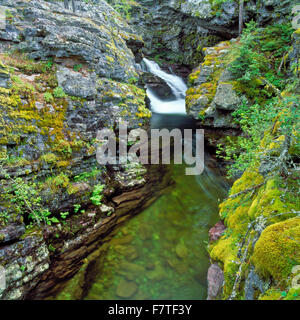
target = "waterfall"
x: 176, y: 84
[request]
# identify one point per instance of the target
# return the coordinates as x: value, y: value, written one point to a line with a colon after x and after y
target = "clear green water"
x: 161, y: 253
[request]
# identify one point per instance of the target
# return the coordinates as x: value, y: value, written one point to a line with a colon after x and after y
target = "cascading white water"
x: 176, y: 84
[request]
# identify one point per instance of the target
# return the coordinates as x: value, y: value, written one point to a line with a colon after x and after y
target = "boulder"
x: 226, y: 98
x: 75, y: 84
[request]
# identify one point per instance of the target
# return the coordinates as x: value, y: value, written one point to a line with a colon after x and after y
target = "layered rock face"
x: 95, y: 34
x: 176, y: 31
x: 82, y: 80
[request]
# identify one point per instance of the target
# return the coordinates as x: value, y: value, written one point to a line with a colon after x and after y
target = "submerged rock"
x: 131, y: 268
x: 126, y: 289
x: 157, y: 274
x: 181, y: 251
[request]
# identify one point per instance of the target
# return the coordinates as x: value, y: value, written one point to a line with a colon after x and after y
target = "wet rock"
x: 177, y: 265
x: 131, y: 268
x: 215, y: 279
x: 126, y: 289
x: 158, y: 85
x: 157, y: 274
x: 216, y: 232
x: 129, y: 252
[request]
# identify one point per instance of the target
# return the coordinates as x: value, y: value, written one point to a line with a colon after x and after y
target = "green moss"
x: 49, y: 158
x: 277, y: 294
x: 56, y: 182
x: 58, y: 92
x: 278, y: 249
x: 48, y: 97
x: 130, y: 97
x: 207, y: 90
x: 275, y: 253
x: 271, y: 199
x: 225, y: 251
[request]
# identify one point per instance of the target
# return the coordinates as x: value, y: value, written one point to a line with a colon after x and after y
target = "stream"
x: 161, y: 252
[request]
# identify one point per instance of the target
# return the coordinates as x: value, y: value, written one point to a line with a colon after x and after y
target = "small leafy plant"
x: 77, y: 67
x: 58, y: 92
x: 48, y: 97
x: 97, y: 195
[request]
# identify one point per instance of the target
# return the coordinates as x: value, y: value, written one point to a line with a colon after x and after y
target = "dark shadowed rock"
x: 11, y: 232
x: 158, y: 85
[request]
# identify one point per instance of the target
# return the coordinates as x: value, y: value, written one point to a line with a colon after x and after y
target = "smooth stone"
x: 181, y: 251
x: 126, y: 289
x: 131, y: 268
x: 157, y: 274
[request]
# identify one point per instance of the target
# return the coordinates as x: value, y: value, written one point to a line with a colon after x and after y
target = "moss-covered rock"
x: 278, y: 249
x: 262, y: 219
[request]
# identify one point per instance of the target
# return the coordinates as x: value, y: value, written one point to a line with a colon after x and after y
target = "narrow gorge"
x: 74, y: 229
